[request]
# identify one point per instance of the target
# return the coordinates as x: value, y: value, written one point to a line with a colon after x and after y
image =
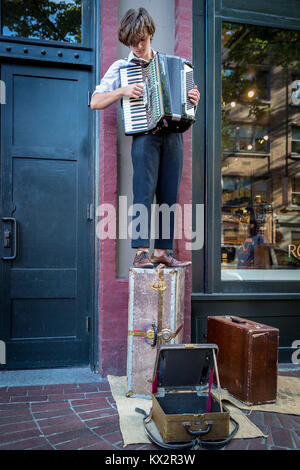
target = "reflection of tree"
x: 245, y: 49
x: 43, y: 19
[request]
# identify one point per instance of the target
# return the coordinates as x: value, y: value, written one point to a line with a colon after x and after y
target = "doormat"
x: 288, y: 397
x: 131, y: 422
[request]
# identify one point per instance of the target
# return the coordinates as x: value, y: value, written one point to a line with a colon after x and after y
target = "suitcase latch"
x: 158, y: 285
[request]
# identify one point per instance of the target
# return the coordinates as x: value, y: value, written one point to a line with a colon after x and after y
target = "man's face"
x: 143, y: 48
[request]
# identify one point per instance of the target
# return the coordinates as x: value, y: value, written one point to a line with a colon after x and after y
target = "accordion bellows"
x: 164, y: 103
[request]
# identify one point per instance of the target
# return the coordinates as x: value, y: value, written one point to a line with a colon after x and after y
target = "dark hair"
x: 133, y: 25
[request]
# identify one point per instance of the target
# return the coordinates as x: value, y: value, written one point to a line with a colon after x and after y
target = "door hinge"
x: 88, y: 324
x: 90, y: 212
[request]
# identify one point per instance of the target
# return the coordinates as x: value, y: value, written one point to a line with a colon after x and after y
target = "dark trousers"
x: 157, y: 166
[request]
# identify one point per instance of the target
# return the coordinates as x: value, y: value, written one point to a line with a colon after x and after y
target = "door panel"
x: 45, y: 156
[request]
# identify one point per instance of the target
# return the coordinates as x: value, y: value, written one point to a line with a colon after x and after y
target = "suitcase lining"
x: 186, y: 403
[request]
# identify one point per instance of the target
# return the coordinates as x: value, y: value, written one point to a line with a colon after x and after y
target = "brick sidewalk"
x: 84, y: 416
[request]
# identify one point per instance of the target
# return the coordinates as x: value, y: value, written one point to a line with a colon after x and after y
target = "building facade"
x: 66, y: 176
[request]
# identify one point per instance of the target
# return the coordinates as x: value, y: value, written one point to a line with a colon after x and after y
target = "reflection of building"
x: 260, y: 139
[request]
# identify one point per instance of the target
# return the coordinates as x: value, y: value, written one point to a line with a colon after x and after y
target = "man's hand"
x: 194, y: 95
x: 103, y: 100
x: 133, y: 91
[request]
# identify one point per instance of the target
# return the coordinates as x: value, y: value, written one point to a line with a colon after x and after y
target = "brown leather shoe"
x: 142, y: 260
x: 169, y: 261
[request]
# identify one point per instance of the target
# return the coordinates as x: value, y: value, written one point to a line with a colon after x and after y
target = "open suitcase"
x: 183, y: 408
x: 155, y: 317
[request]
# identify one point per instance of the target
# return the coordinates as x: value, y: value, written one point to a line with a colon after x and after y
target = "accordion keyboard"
x: 134, y: 110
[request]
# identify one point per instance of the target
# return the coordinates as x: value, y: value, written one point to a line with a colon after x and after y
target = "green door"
x: 45, y: 232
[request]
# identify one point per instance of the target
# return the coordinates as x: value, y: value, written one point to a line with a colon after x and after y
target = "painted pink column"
x: 183, y: 48
x: 113, y: 292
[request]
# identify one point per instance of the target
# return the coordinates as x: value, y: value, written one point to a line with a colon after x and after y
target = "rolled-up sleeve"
x: 110, y: 80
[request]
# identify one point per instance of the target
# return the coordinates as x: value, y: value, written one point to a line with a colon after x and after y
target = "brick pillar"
x: 113, y: 292
x: 183, y: 48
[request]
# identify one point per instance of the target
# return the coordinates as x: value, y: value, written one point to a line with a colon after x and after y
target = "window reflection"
x: 260, y: 153
x: 57, y: 20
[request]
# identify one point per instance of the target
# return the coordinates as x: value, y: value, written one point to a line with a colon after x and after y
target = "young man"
x: 157, y: 158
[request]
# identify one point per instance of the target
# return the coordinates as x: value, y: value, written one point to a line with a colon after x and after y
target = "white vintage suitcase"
x: 155, y: 317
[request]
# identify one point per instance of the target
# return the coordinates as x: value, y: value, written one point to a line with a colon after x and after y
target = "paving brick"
x: 296, y: 420
x: 15, y: 419
x: 108, y: 412
x: 88, y: 388
x: 67, y: 436
x: 269, y: 439
x: 65, y: 397
x: 237, y: 444
x: 18, y: 436
x: 27, y: 399
x: 14, y: 427
x: 17, y: 394
x: 55, y: 425
x: 92, y: 407
x: 285, y: 421
x: 14, y: 413
x: 271, y: 419
x: 282, y: 438
x: 100, y: 445
x: 100, y: 402
x: 4, y: 397
x: 256, y: 417
x: 78, y: 443
x: 12, y: 390
x: 49, y: 406
x: 39, y: 415
x: 108, y: 428
x: 296, y: 439
x: 102, y: 394
x: 256, y: 444
x: 113, y: 437
x: 103, y: 422
x: 26, y: 444
x: 56, y: 388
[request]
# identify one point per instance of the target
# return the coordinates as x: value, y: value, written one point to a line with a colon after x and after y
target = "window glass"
x: 57, y: 20
x: 260, y: 153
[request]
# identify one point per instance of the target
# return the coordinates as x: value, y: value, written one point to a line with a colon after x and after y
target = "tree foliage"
x: 43, y: 19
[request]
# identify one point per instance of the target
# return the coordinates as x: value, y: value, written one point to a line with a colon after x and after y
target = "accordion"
x: 164, y: 103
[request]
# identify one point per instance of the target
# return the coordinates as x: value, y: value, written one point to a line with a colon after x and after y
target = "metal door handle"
x: 14, y: 224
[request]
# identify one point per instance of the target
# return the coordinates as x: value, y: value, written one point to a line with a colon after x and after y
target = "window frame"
x: 86, y: 32
x: 208, y: 278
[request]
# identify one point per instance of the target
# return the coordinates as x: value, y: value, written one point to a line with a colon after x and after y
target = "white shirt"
x: 111, y: 80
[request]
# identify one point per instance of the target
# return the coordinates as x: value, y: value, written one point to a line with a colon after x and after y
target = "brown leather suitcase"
x: 248, y: 357
x: 155, y: 317
x: 182, y: 406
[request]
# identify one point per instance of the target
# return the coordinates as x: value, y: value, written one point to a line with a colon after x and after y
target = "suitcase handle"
x: 195, y: 443
x: 200, y: 432
x: 237, y: 320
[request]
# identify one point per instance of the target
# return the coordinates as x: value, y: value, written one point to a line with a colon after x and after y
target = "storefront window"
x: 260, y: 153
x: 57, y: 20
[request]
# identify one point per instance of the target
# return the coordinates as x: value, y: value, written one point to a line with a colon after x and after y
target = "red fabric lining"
x: 210, y: 381
x: 155, y: 383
